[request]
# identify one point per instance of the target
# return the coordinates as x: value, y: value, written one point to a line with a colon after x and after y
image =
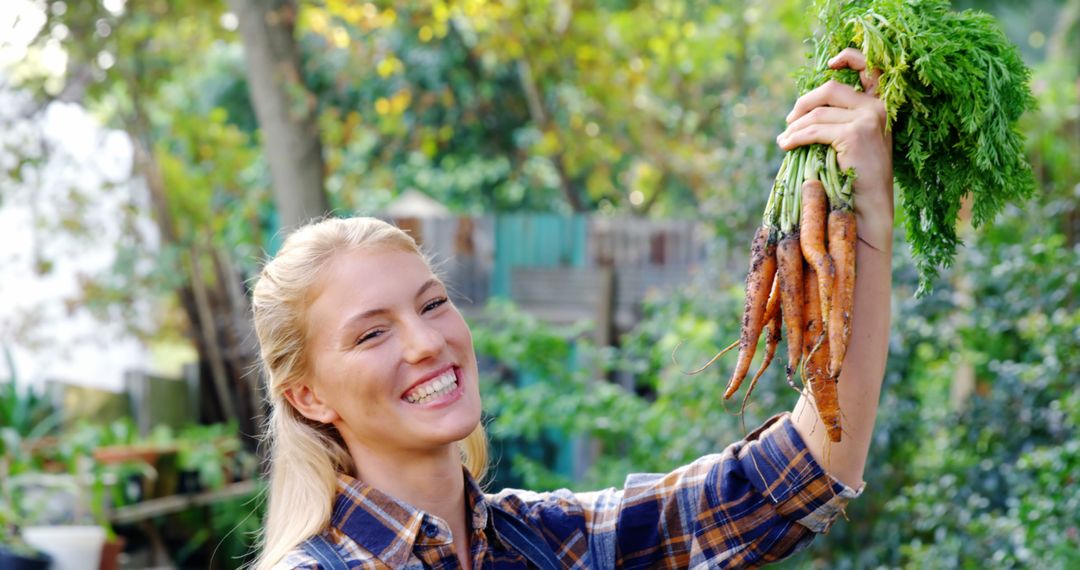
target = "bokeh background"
x: 588, y: 174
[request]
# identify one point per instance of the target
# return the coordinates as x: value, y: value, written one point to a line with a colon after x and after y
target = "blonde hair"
x: 304, y: 455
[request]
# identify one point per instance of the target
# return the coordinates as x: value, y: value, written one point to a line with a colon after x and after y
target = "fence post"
x: 136, y: 387
x: 605, y: 306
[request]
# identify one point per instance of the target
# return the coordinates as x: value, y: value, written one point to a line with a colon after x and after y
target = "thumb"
x: 854, y: 59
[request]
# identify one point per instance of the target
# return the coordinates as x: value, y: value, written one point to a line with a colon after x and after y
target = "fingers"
x: 834, y: 126
x: 854, y: 59
x: 822, y: 115
x: 812, y: 120
x: 816, y: 133
x: 850, y: 57
x: 833, y: 94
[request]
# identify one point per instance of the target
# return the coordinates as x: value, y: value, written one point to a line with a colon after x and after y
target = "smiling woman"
x: 375, y: 400
x: 370, y: 371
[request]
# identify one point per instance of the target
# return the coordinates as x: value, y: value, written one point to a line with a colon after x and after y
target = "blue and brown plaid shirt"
x: 761, y: 500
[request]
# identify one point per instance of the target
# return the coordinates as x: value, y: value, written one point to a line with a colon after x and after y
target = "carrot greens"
x: 953, y: 87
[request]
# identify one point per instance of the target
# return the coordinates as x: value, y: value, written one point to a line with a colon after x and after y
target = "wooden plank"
x: 560, y: 294
x: 633, y: 284
x: 177, y: 503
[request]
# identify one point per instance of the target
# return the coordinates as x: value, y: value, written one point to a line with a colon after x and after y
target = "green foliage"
x: 213, y: 453
x: 665, y: 108
x: 654, y: 418
x: 639, y: 107
x: 973, y: 490
x: 223, y: 533
x: 526, y: 106
x: 25, y: 415
x: 954, y: 88
x: 982, y: 476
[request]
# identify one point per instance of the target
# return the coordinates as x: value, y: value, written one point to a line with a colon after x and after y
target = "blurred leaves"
x: 959, y: 477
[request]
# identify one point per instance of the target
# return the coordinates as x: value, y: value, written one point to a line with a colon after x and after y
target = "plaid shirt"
x: 759, y: 501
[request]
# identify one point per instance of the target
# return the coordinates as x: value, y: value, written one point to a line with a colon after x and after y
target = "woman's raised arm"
x: 853, y: 123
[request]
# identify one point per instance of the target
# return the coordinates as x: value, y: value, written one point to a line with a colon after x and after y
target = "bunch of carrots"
x: 953, y: 88
x: 802, y: 278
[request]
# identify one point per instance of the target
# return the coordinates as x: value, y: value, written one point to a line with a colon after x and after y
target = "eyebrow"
x: 380, y: 311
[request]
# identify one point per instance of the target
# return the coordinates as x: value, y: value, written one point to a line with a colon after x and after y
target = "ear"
x: 306, y: 401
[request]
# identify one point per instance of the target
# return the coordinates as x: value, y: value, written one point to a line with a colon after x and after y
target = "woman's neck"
x: 433, y: 483
x: 428, y: 483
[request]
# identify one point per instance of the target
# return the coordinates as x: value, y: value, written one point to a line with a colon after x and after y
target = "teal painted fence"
x: 536, y: 240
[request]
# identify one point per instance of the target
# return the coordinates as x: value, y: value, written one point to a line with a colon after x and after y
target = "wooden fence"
x: 563, y: 268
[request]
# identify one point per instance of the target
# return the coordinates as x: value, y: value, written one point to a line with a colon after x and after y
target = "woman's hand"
x: 853, y: 122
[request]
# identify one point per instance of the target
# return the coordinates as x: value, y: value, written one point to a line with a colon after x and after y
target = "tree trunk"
x: 544, y: 123
x: 284, y: 107
x: 242, y: 350
x: 218, y: 312
x: 208, y: 330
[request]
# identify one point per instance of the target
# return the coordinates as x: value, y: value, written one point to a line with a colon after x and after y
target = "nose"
x: 422, y: 341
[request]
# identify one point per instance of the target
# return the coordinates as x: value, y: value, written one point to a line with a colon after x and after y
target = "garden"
x: 588, y: 178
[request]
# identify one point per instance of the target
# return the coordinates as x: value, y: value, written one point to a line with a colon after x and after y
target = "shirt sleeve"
x: 297, y: 560
x: 761, y: 500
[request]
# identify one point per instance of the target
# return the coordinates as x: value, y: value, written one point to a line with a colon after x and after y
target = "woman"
x: 374, y: 386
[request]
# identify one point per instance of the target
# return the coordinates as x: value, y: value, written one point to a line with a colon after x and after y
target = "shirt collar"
x: 477, y: 502
x: 389, y: 528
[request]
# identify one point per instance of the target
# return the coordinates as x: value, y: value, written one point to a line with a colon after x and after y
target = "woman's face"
x: 391, y: 358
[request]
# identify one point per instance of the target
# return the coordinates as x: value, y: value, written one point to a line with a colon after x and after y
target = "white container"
x: 71, y: 547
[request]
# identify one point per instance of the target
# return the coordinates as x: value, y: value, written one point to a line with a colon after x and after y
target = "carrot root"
x: 842, y: 236
x: 771, y: 342
x: 790, y: 270
x: 715, y: 357
x: 759, y: 280
x: 815, y: 209
x: 816, y: 349
x: 772, y: 316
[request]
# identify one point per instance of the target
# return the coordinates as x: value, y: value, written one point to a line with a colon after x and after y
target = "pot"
x: 71, y: 547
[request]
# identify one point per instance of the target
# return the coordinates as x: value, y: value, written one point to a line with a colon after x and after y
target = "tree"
x: 285, y: 108
x: 133, y: 64
x: 643, y: 108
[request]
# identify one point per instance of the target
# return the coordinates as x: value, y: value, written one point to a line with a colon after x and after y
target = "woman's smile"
x: 436, y: 390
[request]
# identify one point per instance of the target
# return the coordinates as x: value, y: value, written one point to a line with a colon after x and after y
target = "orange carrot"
x: 816, y: 355
x: 772, y: 340
x: 771, y: 316
x: 758, y: 284
x: 842, y: 250
x: 815, y: 208
x: 790, y: 261
x: 774, y: 302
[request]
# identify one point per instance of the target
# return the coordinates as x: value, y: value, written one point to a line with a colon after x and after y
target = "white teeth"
x: 435, y: 388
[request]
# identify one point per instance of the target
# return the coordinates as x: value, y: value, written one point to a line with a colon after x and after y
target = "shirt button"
x: 431, y: 530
